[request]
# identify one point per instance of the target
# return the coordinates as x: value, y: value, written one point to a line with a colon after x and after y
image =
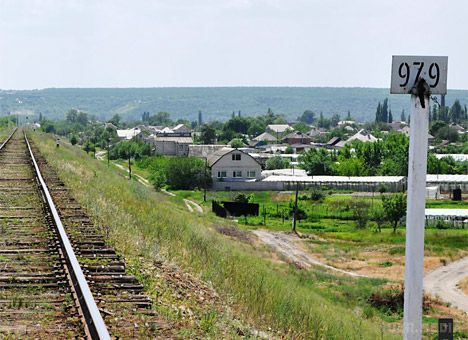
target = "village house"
x: 128, y: 134
x: 278, y: 130
x: 362, y: 135
x: 170, y: 144
x: 297, y: 138
x: 262, y: 139
x: 233, y: 165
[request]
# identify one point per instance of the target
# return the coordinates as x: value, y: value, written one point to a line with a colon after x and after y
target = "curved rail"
x: 94, y: 322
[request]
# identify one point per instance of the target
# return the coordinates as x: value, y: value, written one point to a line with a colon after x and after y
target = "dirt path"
x: 288, y: 245
x: 191, y: 205
x: 443, y: 282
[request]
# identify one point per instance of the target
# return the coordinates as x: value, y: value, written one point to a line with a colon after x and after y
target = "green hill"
x: 214, y: 102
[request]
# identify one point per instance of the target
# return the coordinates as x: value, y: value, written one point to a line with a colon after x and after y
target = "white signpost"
x: 420, y: 77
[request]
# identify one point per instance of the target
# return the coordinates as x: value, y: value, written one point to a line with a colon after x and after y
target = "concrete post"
x: 415, y: 218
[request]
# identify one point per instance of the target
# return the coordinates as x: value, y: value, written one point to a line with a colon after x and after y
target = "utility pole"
x: 108, y: 153
x: 205, y: 180
x: 295, y: 209
x: 129, y: 166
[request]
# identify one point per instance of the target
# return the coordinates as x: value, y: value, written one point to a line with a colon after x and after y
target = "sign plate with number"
x: 407, y: 69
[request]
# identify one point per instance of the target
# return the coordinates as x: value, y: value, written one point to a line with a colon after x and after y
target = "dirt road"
x: 443, y: 281
x: 288, y: 245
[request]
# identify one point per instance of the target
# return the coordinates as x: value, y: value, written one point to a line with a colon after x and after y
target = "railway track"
x: 58, y: 278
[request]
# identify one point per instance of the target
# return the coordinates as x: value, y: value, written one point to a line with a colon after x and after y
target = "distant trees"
x: 237, y: 143
x: 129, y: 149
x: 301, y: 127
x: 441, y: 130
x: 307, y: 117
x: 388, y: 157
x: 208, y: 134
x: 145, y: 117
x: 115, y: 119
x: 323, y: 122
x: 382, y: 112
x: 455, y: 114
x: 316, y: 162
x: 72, y: 115
x: 277, y: 162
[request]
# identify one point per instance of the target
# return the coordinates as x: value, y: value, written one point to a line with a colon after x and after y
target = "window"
x: 222, y: 174
x: 236, y: 156
x: 237, y: 173
x: 251, y: 174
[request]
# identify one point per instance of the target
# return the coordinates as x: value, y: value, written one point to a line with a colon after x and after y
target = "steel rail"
x: 94, y: 322
x: 8, y: 139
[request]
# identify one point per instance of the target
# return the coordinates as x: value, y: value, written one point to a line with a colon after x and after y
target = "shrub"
x: 317, y: 195
x: 395, y: 208
x: 360, y: 210
x: 186, y: 173
x: 242, y: 198
x: 277, y: 162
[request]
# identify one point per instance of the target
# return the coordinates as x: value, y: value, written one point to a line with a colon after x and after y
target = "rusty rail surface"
x: 94, y: 322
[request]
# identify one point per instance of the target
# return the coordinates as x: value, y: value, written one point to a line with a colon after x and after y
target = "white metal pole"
x: 415, y: 219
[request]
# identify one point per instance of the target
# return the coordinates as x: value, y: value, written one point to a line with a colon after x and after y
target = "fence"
x: 234, y: 209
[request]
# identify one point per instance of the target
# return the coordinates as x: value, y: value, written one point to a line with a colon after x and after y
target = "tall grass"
x: 144, y: 223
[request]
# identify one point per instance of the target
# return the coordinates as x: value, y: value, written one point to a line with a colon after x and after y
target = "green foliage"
x: 48, y: 127
x: 316, y: 162
x: 73, y: 140
x: 237, y: 143
x: 89, y: 147
x: 242, y: 198
x: 317, y: 195
x: 208, y: 134
x: 160, y: 118
x: 394, y: 207
x: 301, y: 127
x: 129, y: 149
x: 185, y: 102
x: 186, y: 173
x: 360, y: 211
x: 308, y: 117
x: 445, y: 165
x: 277, y: 162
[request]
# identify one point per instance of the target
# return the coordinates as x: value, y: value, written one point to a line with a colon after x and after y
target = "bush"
x: 317, y: 195
x: 242, y: 198
x: 186, y: 173
x: 73, y: 140
x: 158, y: 179
x: 277, y: 162
x: 360, y: 210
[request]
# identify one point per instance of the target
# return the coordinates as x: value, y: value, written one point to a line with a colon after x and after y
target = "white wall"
x: 246, y: 163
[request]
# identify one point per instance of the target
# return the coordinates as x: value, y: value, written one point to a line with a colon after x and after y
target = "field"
x: 147, y: 227
x: 185, y: 103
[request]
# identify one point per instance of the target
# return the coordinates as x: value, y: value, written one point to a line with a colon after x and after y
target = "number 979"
x: 404, y: 72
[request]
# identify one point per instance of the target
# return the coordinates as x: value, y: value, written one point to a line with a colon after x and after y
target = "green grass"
x: 146, y: 226
x: 331, y: 218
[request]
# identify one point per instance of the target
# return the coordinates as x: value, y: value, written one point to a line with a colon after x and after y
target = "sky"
x: 173, y: 43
